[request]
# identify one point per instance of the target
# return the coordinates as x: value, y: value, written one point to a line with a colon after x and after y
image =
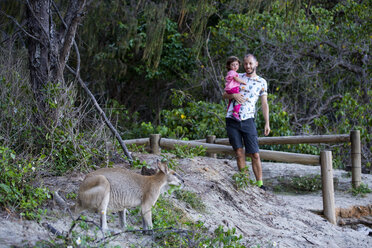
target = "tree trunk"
x: 48, y: 48
x: 39, y: 64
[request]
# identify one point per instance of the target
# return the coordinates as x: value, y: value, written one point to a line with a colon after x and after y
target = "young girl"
x: 233, y: 82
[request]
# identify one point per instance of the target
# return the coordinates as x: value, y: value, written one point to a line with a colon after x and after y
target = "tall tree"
x: 51, y: 41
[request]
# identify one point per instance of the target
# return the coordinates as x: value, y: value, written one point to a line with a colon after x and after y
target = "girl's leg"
x: 236, y: 109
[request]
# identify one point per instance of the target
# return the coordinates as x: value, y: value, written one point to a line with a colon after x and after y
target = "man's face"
x: 250, y: 65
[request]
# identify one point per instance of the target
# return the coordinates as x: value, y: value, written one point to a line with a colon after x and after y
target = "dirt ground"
x: 263, y: 218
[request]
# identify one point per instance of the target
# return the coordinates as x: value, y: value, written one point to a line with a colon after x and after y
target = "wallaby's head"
x: 172, y: 177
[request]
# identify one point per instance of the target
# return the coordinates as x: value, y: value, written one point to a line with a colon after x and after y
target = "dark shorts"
x: 242, y: 131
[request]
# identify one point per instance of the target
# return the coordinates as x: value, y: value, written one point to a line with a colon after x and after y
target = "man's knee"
x: 255, y: 156
x: 239, y: 152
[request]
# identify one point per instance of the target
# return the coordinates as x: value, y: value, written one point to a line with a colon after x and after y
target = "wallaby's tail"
x: 61, y: 202
x: 93, y: 192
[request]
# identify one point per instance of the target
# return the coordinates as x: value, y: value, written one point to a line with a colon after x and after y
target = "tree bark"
x: 48, y: 48
x: 38, y: 49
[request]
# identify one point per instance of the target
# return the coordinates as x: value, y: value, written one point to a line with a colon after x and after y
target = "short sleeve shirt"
x: 255, y: 88
x: 230, y: 81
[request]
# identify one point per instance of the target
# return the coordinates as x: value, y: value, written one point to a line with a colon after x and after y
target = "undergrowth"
x: 299, y: 184
x: 172, y: 228
x: 242, y: 180
x: 17, y: 190
x: 362, y: 190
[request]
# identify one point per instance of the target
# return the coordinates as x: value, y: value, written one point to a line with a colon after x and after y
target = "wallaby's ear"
x: 162, y: 166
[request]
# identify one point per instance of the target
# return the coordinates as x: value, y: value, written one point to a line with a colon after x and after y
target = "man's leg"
x: 256, y: 166
x: 240, y: 158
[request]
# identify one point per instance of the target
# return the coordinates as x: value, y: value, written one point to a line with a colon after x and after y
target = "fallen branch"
x: 82, y: 84
x: 102, y: 113
x: 156, y: 230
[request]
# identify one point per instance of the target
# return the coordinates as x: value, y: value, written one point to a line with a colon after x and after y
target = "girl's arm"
x: 240, y: 80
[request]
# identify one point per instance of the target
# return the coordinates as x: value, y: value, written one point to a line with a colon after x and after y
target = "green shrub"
x: 222, y: 238
x: 16, y: 185
x: 304, y: 184
x: 362, y: 190
x: 171, y: 162
x: 307, y: 183
x: 351, y: 114
x: 185, y: 151
x: 242, y: 180
x: 69, y: 151
x: 191, y: 198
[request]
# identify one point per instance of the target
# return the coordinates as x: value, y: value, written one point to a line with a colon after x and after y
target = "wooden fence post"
x: 356, y: 162
x: 327, y: 186
x: 155, y: 143
x: 211, y: 139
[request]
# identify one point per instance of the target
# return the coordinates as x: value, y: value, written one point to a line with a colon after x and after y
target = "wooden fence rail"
x: 339, y: 138
x: 264, y: 154
x: 213, y: 146
x: 223, y: 146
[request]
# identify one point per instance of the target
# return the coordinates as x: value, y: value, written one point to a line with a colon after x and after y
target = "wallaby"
x: 116, y: 189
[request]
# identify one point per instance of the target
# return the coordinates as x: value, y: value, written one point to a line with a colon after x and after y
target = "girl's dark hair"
x: 230, y: 60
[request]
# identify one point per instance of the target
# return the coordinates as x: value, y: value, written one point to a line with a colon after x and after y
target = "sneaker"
x: 263, y: 187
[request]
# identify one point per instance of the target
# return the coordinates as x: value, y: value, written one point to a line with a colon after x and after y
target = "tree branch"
x: 20, y: 27
x: 40, y: 24
x: 82, y: 84
x: 102, y: 113
x: 69, y: 37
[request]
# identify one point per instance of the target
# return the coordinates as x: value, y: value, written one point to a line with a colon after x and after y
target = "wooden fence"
x: 214, y: 146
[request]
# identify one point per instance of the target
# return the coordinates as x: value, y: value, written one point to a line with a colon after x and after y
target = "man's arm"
x: 265, y: 112
x: 237, y: 97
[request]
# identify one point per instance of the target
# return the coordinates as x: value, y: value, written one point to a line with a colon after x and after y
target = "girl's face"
x: 234, y: 66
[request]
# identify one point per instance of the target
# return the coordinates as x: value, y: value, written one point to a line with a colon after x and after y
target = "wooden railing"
x: 214, y: 146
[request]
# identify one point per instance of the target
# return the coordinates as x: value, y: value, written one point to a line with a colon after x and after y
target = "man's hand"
x: 267, y: 129
x: 239, y: 98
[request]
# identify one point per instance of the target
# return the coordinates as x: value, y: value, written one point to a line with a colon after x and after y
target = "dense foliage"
x: 158, y: 67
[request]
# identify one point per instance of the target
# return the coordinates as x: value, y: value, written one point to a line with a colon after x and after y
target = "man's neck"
x: 253, y: 75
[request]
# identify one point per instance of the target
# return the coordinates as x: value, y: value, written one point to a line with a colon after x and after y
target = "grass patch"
x: 362, y: 190
x: 185, y: 151
x: 242, y: 180
x: 191, y: 199
x: 299, y: 184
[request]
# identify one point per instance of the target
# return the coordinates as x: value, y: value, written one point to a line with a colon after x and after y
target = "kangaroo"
x: 116, y: 189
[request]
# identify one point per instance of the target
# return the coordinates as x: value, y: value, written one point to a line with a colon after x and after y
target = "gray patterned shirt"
x: 255, y: 88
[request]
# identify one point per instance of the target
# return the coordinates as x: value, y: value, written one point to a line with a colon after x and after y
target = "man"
x: 246, y: 129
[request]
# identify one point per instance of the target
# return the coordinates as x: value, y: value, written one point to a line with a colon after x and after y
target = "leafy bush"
x: 242, y: 180
x: 191, y: 198
x: 185, y: 151
x: 189, y: 120
x: 16, y: 180
x: 307, y: 183
x: 68, y: 135
x: 193, y: 120
x: 171, y: 162
x: 362, y: 190
x: 298, y: 184
x: 351, y: 114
